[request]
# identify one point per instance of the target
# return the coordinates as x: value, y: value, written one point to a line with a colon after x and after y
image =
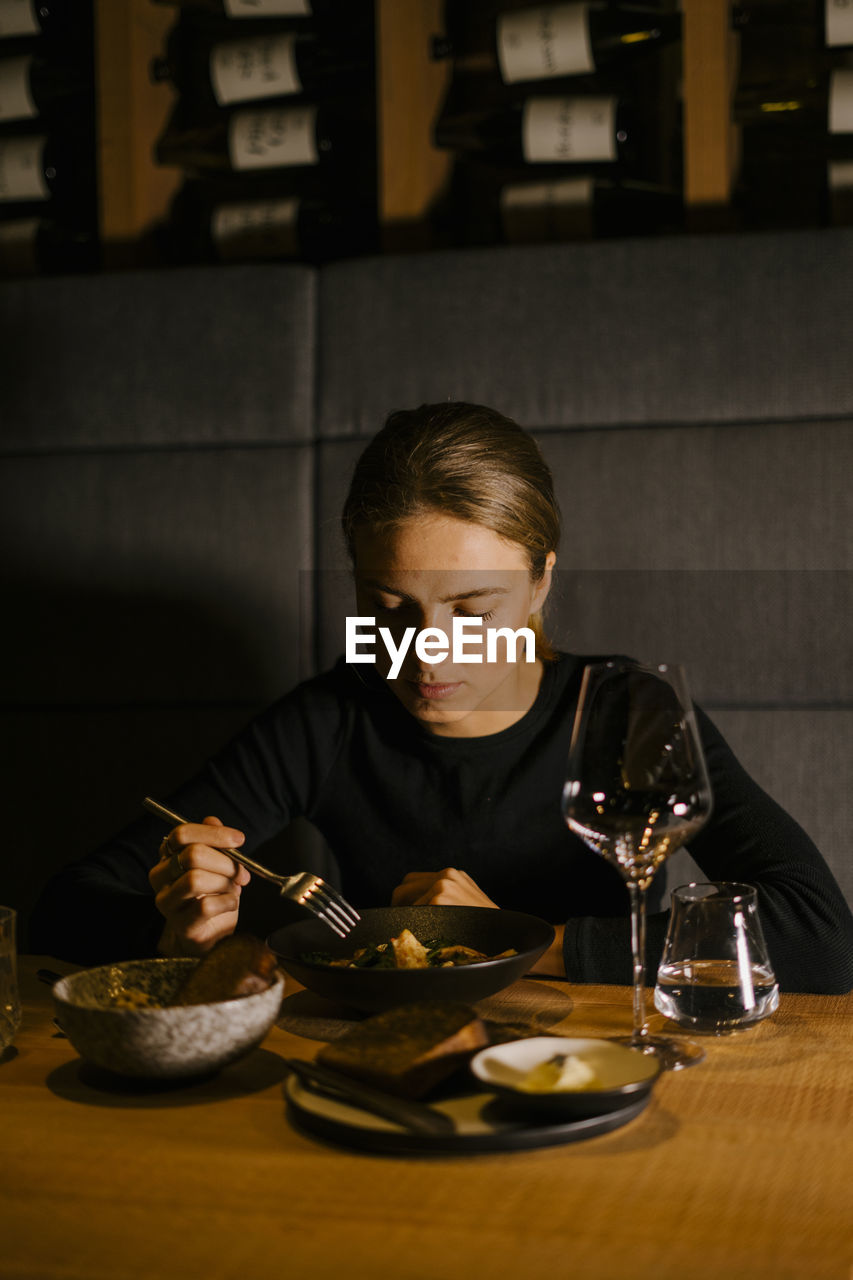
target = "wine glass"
x: 636, y: 790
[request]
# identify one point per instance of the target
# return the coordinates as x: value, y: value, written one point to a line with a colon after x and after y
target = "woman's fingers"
x: 212, y: 861
x: 197, y: 885
x: 192, y: 846
x: 412, y: 887
x: 198, y: 925
x: 448, y: 887
x: 205, y: 877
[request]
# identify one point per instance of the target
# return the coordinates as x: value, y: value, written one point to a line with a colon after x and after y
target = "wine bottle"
x: 810, y: 22
x: 786, y: 64
x: 781, y: 183
x: 211, y: 68
x: 39, y: 246
x: 335, y: 136
x: 33, y: 86
x: 56, y: 169
x: 212, y: 223
x: 543, y: 130
x: 553, y: 40
x: 62, y: 23
x: 819, y: 107
x: 491, y: 205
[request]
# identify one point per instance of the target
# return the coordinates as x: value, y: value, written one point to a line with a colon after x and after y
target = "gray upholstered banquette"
x: 176, y: 446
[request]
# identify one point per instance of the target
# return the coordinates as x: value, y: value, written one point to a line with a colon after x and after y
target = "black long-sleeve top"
x: 390, y: 797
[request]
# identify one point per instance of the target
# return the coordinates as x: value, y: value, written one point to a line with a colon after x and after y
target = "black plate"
x: 482, y: 928
x: 482, y: 1124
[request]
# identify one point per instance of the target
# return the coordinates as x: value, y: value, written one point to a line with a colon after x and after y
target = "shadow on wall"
x: 110, y: 694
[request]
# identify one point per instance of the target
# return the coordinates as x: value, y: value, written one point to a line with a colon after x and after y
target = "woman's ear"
x: 543, y: 586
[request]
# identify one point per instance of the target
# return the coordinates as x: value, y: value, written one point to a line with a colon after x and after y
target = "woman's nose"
x: 438, y: 623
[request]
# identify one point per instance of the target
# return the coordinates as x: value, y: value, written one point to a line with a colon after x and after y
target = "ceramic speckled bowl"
x: 158, y: 1043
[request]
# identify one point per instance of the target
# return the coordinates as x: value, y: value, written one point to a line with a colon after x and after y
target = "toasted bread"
x: 238, y: 965
x: 410, y: 1049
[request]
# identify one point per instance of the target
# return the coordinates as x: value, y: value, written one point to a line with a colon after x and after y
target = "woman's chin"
x: 437, y: 703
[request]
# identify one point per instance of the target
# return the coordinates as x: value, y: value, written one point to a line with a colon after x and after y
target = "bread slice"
x: 238, y: 965
x: 410, y: 1049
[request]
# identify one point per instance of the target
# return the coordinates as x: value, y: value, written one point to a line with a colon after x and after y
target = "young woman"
x: 440, y: 782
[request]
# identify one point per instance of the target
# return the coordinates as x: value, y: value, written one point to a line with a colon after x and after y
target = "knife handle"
x: 416, y: 1116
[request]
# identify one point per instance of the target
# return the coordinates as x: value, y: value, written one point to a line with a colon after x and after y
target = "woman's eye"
x: 379, y: 607
x: 464, y: 613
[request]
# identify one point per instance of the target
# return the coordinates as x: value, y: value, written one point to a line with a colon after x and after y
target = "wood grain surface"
x: 739, y: 1166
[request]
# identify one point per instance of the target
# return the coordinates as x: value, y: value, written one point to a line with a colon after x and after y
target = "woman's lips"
x: 433, y: 692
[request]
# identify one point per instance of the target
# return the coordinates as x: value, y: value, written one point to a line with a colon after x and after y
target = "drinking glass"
x: 10, y: 1005
x: 636, y: 790
x: 715, y: 973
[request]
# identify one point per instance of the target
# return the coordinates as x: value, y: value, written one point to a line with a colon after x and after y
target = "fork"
x: 310, y: 891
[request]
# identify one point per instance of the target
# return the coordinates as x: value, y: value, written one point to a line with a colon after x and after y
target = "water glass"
x: 715, y: 973
x: 10, y: 1005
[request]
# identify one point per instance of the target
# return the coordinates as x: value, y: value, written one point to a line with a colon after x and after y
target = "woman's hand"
x: 447, y: 888
x: 197, y: 886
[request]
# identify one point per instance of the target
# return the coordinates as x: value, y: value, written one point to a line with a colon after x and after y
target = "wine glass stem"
x: 637, y: 897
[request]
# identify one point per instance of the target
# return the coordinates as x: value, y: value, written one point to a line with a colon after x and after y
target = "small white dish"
x: 621, y: 1075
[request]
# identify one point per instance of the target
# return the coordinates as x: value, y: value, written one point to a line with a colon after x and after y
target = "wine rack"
x: 135, y: 192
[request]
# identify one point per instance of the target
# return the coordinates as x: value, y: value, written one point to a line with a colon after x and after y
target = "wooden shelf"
x: 133, y: 191
x: 410, y: 90
x: 708, y: 74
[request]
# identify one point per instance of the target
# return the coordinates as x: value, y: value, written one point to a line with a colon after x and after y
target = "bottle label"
x: 18, y: 18
x: 536, y: 44
x: 268, y: 8
x: 542, y: 211
x: 270, y: 139
x: 840, y: 175
x: 256, y: 229
x: 565, y: 130
x: 841, y: 101
x: 257, y: 67
x: 16, y: 100
x: 18, y: 246
x: 21, y: 171
x: 839, y: 22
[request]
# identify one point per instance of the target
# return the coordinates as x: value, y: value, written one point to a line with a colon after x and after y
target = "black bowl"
x: 482, y: 928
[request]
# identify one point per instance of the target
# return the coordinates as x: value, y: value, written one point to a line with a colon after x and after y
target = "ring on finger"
x: 176, y: 868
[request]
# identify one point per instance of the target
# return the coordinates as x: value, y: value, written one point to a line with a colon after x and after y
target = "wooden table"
x: 739, y: 1167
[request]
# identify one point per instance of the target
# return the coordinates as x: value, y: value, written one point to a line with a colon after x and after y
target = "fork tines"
x: 329, y: 906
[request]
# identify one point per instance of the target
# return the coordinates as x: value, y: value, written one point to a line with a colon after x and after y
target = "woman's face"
x: 425, y: 573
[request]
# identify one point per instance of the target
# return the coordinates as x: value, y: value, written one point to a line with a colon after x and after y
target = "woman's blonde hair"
x: 462, y: 460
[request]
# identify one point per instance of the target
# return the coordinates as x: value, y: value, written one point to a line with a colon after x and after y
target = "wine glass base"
x: 674, y: 1054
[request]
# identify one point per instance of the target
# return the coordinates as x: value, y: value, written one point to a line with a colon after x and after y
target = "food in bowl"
x: 560, y: 1071
x: 133, y: 998
x: 406, y: 952
x: 238, y: 965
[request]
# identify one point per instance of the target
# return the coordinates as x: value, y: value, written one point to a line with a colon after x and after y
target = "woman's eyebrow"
x: 474, y: 594
x: 381, y: 586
